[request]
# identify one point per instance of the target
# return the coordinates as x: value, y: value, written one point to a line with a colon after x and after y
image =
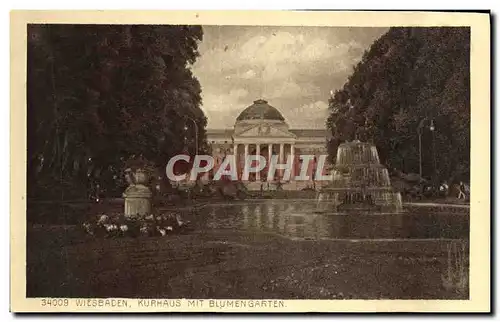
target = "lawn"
x: 63, y: 262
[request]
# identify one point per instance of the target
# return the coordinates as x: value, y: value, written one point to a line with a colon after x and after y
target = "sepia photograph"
x: 238, y: 166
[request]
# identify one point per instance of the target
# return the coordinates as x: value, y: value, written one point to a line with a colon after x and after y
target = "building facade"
x: 261, y: 129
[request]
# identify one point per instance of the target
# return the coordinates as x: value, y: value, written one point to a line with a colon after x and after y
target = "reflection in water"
x: 281, y: 222
x: 257, y: 215
x: 270, y: 216
x: 300, y: 220
x: 245, y: 211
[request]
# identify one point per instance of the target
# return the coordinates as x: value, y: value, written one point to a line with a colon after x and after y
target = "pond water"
x: 304, y: 220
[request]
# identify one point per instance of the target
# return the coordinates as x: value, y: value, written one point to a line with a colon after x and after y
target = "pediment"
x: 266, y: 130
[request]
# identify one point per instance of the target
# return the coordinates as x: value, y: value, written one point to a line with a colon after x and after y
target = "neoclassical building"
x: 261, y: 129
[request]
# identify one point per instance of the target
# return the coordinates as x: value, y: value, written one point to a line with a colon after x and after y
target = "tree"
x: 409, y: 74
x: 97, y: 94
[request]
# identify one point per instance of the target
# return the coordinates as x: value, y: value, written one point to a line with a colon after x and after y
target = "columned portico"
x: 259, y: 150
x: 261, y: 130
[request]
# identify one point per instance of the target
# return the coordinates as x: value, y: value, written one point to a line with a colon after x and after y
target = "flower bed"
x: 119, y: 225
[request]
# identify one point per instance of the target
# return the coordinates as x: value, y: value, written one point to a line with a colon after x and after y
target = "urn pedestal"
x: 138, y: 196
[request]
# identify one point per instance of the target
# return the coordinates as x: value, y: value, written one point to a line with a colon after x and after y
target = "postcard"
x: 250, y: 161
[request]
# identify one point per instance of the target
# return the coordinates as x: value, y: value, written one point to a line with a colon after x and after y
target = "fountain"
x: 360, y: 182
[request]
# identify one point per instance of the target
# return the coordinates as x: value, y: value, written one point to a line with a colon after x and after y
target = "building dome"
x: 260, y: 110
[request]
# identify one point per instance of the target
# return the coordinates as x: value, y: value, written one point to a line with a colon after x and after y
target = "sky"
x: 293, y: 68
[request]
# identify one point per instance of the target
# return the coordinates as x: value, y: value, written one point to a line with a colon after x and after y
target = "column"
x: 292, y: 156
x: 281, y: 159
x: 310, y: 166
x: 257, y: 152
x: 235, y: 153
x: 318, y: 155
x: 246, y: 157
x: 269, y: 155
x: 313, y: 169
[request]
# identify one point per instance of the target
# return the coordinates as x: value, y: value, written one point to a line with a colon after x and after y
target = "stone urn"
x: 137, y: 195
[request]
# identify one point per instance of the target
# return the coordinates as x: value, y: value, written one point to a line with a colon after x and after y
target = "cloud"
x: 238, y: 93
x: 222, y: 119
x: 286, y: 49
x: 312, y: 115
x: 290, y: 89
x: 229, y: 101
x: 275, y: 72
x: 222, y: 110
x: 278, y: 47
x: 292, y: 67
x: 249, y: 74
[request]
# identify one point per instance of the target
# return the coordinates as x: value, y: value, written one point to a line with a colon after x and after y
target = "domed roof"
x: 260, y: 110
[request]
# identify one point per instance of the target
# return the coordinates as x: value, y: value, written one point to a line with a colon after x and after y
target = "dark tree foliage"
x: 98, y: 94
x: 407, y: 75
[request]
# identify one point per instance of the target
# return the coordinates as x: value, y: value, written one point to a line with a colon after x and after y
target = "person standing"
x: 461, y: 190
